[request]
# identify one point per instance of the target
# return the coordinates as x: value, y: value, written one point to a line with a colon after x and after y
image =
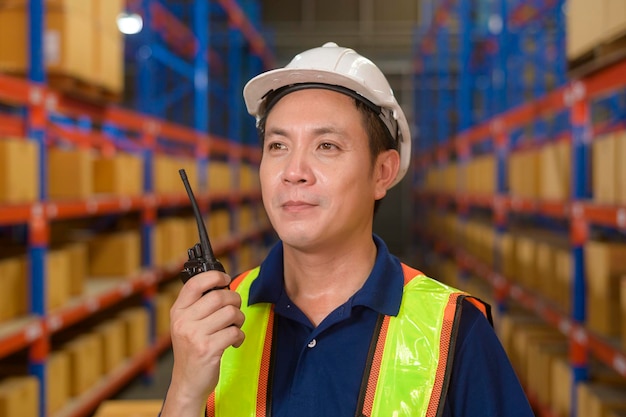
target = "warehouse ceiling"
x: 375, y: 29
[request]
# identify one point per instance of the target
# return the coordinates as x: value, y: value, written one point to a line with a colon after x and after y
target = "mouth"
x: 296, y: 206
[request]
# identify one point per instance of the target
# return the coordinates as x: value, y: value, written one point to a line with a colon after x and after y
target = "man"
x: 334, y: 324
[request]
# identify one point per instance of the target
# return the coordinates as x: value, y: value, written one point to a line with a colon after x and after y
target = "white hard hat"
x: 332, y: 65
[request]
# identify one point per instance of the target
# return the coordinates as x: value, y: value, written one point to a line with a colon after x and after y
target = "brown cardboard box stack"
x: 13, y: 287
x: 57, y: 380
x: 604, y: 267
x: 623, y: 310
x: 590, y: 24
x: 136, y: 325
x: 112, y: 337
x: 58, y: 285
x: 219, y: 178
x: 172, y: 237
x: 127, y: 408
x: 19, y: 396
x: 19, y: 167
x: 608, y: 169
x: 524, y: 174
x: 115, y: 254
x: 481, y: 175
x: 119, y: 174
x: 81, y: 41
x: 70, y: 173
x: 555, y: 168
x: 598, y: 400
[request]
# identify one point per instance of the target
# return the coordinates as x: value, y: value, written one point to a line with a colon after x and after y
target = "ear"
x: 386, y: 169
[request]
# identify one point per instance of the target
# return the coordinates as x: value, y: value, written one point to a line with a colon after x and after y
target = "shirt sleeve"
x: 482, y: 382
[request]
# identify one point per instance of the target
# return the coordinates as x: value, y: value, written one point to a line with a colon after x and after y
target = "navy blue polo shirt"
x: 318, y: 370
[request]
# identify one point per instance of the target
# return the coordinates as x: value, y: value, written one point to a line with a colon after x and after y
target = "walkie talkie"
x: 201, y: 257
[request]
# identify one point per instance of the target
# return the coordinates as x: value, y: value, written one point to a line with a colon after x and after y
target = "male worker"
x: 334, y: 324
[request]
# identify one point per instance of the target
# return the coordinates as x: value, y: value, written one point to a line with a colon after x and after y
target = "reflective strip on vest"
x: 409, y: 371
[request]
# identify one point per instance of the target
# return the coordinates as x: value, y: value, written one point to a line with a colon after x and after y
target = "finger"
x: 212, y: 302
x: 226, y: 316
x: 196, y: 286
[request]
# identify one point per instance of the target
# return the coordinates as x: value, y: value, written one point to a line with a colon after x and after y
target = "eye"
x: 327, y: 146
x: 276, y: 146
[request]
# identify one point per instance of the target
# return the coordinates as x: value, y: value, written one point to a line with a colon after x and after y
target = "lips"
x: 293, y: 205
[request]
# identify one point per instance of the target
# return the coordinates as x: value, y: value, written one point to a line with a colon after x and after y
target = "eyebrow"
x: 322, y: 130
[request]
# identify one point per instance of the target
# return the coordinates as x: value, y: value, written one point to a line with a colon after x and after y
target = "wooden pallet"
x: 600, y: 56
x: 75, y: 87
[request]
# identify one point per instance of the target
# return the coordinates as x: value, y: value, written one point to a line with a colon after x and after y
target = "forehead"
x: 316, y: 102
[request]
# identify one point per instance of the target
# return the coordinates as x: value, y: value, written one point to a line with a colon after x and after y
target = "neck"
x: 319, y: 282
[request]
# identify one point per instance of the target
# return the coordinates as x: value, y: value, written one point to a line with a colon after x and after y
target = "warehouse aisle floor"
x: 154, y: 388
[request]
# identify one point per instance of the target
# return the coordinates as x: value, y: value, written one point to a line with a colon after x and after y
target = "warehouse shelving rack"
x: 44, y: 115
x: 470, y: 59
x: 577, y: 101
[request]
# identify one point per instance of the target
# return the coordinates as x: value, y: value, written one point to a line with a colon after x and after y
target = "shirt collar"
x: 381, y: 292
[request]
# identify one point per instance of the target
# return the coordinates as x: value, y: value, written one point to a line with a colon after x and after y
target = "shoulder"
x: 482, y: 378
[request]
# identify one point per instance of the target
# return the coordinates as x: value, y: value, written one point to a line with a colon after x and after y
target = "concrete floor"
x: 155, y: 387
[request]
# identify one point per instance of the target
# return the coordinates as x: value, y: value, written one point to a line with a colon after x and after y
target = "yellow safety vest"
x: 410, y: 364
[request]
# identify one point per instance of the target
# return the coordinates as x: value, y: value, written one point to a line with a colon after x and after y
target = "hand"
x: 202, y: 327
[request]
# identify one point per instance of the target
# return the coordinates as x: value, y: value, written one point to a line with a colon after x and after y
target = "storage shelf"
x: 597, y: 214
x: 19, y: 333
x: 99, y: 294
x: 11, y: 214
x: 601, y: 348
x: 85, y: 404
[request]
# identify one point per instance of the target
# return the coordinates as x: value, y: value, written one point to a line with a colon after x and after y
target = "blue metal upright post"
x: 201, y: 80
x: 146, y: 71
x: 581, y: 136
x: 38, y: 227
x: 464, y: 103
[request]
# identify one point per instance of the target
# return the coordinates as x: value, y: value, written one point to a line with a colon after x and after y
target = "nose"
x: 297, y: 169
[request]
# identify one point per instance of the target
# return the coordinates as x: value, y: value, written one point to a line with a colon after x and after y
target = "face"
x: 317, y: 178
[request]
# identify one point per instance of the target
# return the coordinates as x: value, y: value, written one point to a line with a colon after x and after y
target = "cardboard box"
x: 220, y: 178
x: 57, y: 381
x: 115, y: 254
x: 13, y: 287
x: 546, y: 268
x: 112, y: 335
x: 120, y: 174
x: 19, y: 167
x: 249, y: 178
x: 597, y: 400
x: 526, y: 248
x: 85, y: 368
x: 604, y: 169
x: 604, y: 267
x: 78, y: 254
x: 523, y: 338
x: 67, y: 45
x: 585, y: 26
x: 620, y: 181
x: 166, y: 177
x: 615, y: 18
x: 129, y: 408
x: 524, y: 174
x: 172, y: 237
x: 19, y: 396
x: 555, y: 161
x: 163, y: 304
x: 136, y: 324
x: 69, y: 173
x: 109, y: 61
x: 563, y: 284
x: 623, y: 310
x: 541, y: 354
x: 561, y: 387
x: 58, y: 278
